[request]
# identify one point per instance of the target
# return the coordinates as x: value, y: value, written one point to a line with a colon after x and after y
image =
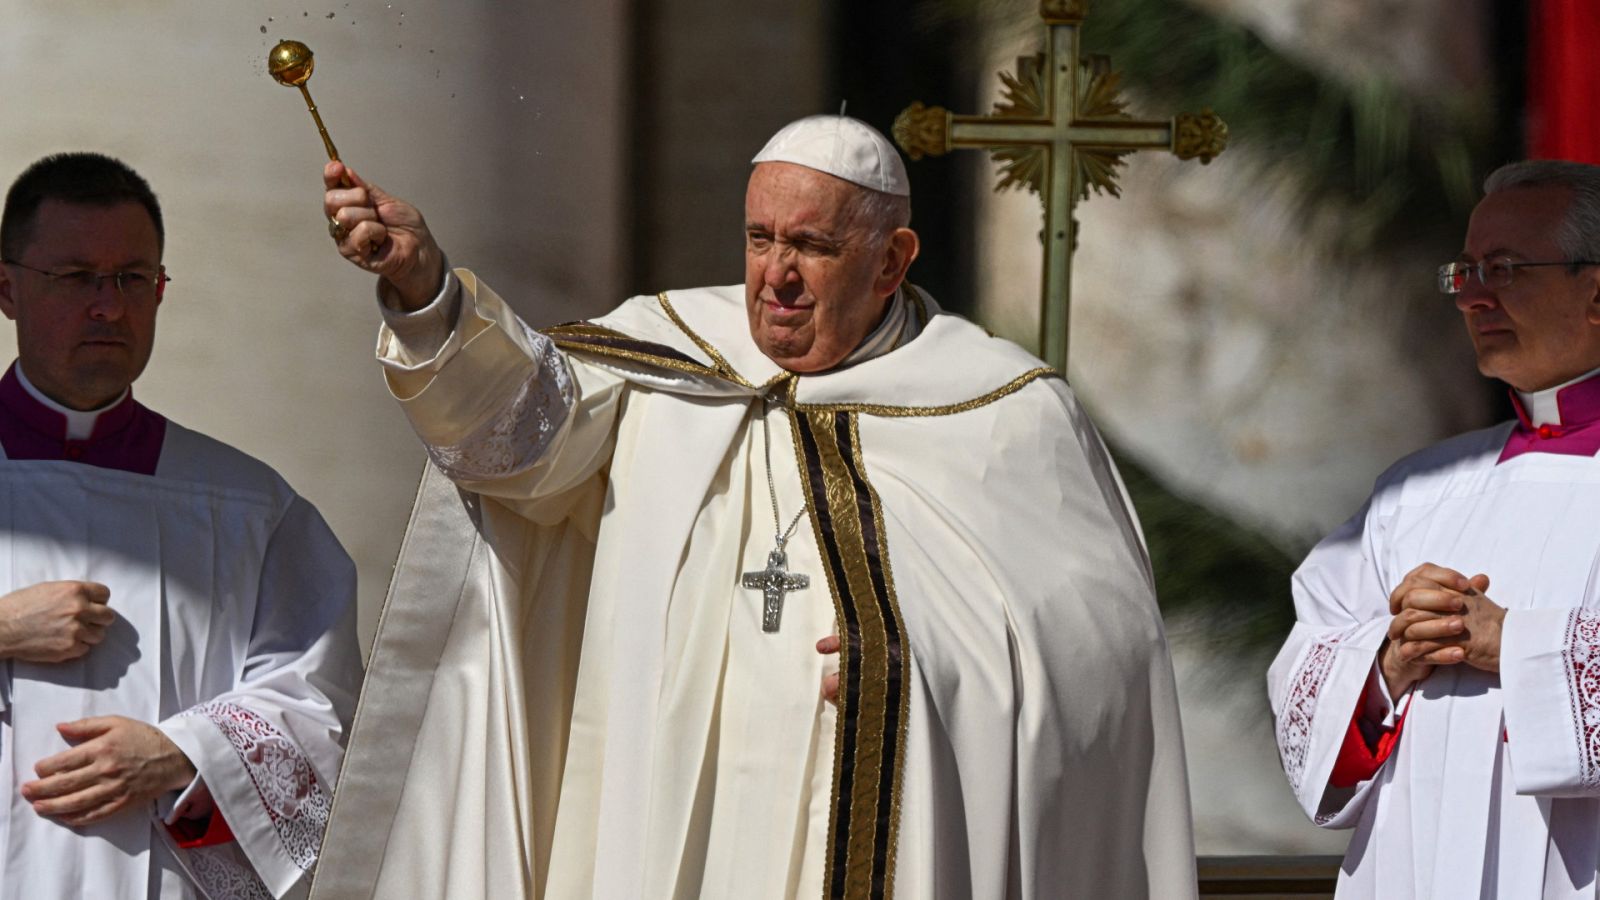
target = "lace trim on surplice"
x: 1300, y: 708
x: 287, y: 785
x: 516, y: 437
x: 223, y: 873
x: 1582, y: 659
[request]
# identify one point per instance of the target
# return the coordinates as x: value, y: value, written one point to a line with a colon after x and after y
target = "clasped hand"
x: 1441, y: 618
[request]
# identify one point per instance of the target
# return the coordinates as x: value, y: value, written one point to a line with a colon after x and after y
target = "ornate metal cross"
x: 773, y: 582
x: 1060, y: 129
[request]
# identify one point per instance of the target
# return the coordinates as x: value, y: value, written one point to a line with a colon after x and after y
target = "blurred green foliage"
x: 1396, y: 164
x: 1225, y: 584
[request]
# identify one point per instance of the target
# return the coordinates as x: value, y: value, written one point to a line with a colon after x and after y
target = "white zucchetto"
x: 843, y: 147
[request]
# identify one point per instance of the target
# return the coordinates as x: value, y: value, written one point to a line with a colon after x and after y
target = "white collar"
x: 895, y: 330
x: 80, y: 423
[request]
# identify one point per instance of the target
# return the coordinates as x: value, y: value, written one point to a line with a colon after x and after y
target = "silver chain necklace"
x: 775, y: 580
x: 780, y: 534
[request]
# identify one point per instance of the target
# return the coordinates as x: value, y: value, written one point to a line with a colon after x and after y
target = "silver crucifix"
x: 773, y: 582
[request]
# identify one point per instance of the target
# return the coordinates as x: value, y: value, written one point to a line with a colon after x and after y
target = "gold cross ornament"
x: 1060, y: 129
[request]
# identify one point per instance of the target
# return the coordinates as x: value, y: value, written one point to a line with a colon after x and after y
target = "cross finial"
x: 1060, y: 129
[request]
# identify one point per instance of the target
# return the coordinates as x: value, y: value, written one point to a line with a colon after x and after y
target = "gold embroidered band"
x: 874, y: 660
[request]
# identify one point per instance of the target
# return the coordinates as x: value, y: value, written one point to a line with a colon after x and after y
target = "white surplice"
x: 572, y: 696
x: 235, y: 635
x: 1493, y: 789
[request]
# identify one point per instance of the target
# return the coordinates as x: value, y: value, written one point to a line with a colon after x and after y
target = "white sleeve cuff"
x: 194, y: 802
x: 1378, y: 706
x: 421, y: 334
x: 1549, y: 710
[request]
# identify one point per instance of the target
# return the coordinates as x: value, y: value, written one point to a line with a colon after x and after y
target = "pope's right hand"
x: 54, y: 621
x: 384, y: 235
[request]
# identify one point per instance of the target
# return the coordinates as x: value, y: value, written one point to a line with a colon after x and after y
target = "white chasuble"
x: 572, y: 693
x: 1493, y: 786
x: 234, y: 635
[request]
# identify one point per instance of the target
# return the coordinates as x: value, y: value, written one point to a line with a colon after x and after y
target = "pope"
x: 598, y: 670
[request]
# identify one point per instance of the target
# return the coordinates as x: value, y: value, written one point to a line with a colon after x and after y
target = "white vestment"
x: 235, y: 635
x: 1493, y: 788
x: 571, y: 694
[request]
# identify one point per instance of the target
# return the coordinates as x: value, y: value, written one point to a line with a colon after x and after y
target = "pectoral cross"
x: 773, y: 582
x: 1061, y: 129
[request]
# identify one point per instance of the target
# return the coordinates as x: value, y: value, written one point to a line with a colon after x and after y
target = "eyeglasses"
x: 133, y: 284
x: 1494, y: 273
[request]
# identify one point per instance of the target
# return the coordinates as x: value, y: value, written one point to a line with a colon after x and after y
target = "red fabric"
x: 1563, y: 80
x: 207, y: 832
x: 1357, y: 760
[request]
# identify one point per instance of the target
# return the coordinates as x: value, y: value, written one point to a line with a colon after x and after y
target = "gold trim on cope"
x: 787, y: 384
x: 569, y: 337
x: 877, y: 409
x: 727, y: 371
x: 881, y: 676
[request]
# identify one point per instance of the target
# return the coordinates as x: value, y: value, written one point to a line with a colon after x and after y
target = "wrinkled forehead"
x: 785, y: 191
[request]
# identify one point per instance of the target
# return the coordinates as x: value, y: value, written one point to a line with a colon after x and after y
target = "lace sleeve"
x: 290, y: 793
x: 516, y: 437
x: 1300, y: 708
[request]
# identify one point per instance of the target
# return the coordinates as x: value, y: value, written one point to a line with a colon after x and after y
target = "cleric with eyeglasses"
x: 177, y: 632
x: 1440, y: 693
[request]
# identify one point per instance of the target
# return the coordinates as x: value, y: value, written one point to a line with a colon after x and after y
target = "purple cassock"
x: 128, y: 436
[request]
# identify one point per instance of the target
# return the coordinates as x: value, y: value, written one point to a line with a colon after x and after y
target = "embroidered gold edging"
x: 648, y: 359
x: 874, y: 661
x: 847, y: 659
x: 586, y: 329
x: 902, y: 721
x: 876, y: 409
x: 717, y: 359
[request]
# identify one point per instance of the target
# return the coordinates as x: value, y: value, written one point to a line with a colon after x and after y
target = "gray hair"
x: 1579, y: 234
x: 879, y: 213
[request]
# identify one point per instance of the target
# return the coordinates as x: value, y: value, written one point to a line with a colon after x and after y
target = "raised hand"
x: 54, y: 621
x: 118, y: 764
x: 385, y: 236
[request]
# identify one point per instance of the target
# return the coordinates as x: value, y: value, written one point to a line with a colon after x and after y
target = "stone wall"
x: 502, y: 121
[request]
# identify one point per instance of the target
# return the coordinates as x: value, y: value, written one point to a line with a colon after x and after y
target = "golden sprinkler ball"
x: 290, y: 63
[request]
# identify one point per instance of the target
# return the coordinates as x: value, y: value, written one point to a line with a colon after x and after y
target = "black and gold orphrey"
x: 875, y: 657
